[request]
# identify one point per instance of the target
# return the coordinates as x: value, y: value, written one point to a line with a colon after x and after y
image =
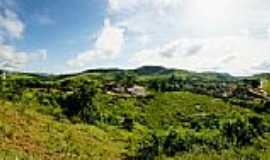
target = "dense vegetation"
x: 143, y: 114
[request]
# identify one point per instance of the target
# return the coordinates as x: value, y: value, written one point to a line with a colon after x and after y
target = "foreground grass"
x: 25, y: 134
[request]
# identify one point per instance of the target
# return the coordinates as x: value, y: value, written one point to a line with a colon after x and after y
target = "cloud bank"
x: 209, y: 35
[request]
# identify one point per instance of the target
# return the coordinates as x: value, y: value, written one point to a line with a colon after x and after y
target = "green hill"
x: 143, y: 114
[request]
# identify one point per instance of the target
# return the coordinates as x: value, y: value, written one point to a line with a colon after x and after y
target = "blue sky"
x: 62, y: 29
x: 60, y: 36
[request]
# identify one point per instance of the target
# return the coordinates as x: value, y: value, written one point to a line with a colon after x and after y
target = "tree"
x: 177, y: 141
x: 128, y: 123
x: 241, y: 130
x: 149, y: 148
x: 80, y: 103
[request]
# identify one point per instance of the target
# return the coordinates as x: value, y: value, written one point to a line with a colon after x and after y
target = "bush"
x: 80, y: 103
x: 240, y: 130
x: 149, y: 148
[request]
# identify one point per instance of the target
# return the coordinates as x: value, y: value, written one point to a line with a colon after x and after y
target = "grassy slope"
x: 30, y: 135
x: 170, y: 108
x: 25, y: 134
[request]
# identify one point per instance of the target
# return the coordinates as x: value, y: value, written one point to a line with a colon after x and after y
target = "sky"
x: 60, y: 36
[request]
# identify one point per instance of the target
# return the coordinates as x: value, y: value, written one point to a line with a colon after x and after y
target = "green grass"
x: 26, y: 133
x: 30, y: 135
x: 169, y: 109
x: 266, y: 85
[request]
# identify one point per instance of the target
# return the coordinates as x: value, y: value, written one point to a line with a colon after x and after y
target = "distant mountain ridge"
x: 147, y: 70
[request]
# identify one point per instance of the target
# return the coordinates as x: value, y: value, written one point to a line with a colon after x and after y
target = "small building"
x: 133, y: 90
x: 112, y: 87
x: 137, y: 90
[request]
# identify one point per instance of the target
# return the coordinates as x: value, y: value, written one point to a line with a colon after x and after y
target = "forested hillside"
x: 144, y: 114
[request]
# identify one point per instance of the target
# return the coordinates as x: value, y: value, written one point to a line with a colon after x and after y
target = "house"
x: 134, y: 90
x: 137, y: 90
x: 112, y: 87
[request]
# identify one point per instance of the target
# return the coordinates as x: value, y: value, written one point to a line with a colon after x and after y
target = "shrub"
x: 149, y: 148
x: 240, y: 129
x: 80, y: 103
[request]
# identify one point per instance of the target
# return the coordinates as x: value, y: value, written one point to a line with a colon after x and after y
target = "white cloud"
x: 263, y: 67
x: 82, y: 59
x: 224, y: 35
x: 190, y: 17
x: 154, y: 18
x: 10, y: 23
x: 110, y: 41
x: 10, y: 58
x: 128, y: 6
x: 108, y: 44
x: 236, y: 55
x: 11, y: 27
